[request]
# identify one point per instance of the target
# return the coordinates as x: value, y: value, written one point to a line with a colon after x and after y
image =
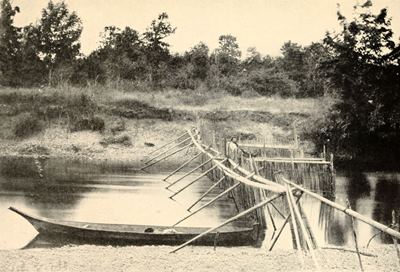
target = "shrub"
x: 94, y: 123
x: 27, y: 125
x: 122, y: 140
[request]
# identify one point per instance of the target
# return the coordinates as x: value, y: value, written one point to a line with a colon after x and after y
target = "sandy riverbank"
x: 157, y: 258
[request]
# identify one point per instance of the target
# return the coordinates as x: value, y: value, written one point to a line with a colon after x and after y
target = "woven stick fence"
x: 226, y: 169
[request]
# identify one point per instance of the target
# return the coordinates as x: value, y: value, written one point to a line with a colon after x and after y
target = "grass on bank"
x: 92, y: 108
x: 200, y: 99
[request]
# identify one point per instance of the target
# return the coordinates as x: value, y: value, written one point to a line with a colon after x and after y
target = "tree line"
x: 48, y: 52
x: 358, y: 64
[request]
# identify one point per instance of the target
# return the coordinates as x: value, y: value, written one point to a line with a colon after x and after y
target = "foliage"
x: 156, y: 48
x: 120, y: 139
x: 367, y: 82
x: 59, y: 33
x: 9, y: 45
x: 227, y: 55
x: 93, y: 123
x: 26, y: 125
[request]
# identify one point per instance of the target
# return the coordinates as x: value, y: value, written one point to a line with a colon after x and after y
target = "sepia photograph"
x: 199, y: 135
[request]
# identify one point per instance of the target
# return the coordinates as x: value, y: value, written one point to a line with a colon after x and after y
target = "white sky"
x: 264, y: 24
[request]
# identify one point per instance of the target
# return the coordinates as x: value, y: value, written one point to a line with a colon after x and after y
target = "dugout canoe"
x: 122, y: 234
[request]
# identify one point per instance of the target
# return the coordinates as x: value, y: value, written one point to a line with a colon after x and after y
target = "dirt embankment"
x: 125, y: 129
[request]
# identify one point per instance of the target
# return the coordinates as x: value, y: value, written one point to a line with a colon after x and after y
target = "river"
x: 87, y: 192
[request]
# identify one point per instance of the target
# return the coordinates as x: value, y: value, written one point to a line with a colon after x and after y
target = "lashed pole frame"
x: 273, y: 187
x: 277, y: 188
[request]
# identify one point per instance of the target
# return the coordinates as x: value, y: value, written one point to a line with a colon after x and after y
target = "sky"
x: 264, y: 24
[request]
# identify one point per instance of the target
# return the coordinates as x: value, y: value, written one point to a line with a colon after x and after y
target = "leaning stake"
x: 183, y: 165
x: 166, y: 151
x: 259, y: 205
x: 355, y: 237
x: 188, y: 173
x: 166, y: 156
x: 303, y: 229
x: 155, y: 150
x: 193, y: 181
x: 206, y: 193
x: 208, y: 203
x: 395, y: 225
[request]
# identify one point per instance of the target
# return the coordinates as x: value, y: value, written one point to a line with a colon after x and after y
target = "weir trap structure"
x: 261, y: 182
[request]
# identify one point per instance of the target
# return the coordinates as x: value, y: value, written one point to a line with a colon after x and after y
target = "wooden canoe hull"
x: 119, y: 234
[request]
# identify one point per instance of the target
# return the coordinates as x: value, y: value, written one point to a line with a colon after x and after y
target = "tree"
x: 253, y: 59
x: 227, y: 55
x: 122, y: 53
x: 156, y: 48
x: 9, y: 45
x: 367, y: 82
x: 315, y: 83
x: 60, y: 31
x: 293, y: 63
x: 32, y: 69
x: 199, y: 59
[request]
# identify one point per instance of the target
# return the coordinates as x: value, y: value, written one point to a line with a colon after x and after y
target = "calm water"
x: 91, y: 193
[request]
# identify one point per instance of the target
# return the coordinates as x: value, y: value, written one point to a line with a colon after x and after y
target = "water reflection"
x: 387, y: 198
x: 100, y: 193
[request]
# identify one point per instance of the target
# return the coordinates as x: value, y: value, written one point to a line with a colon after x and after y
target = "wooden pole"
x: 166, y: 156
x: 259, y: 205
x: 183, y: 134
x: 193, y: 181
x: 355, y: 238
x: 303, y: 229
x: 166, y: 151
x: 308, y: 226
x: 277, y: 210
x: 183, y: 165
x: 396, y: 226
x: 206, y: 193
x: 348, y: 211
x: 283, y: 226
x: 188, y: 173
x: 294, y: 223
x: 208, y: 203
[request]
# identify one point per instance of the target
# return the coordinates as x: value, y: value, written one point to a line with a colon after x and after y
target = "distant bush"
x: 117, y: 126
x: 122, y: 140
x: 268, y: 82
x: 94, y: 123
x: 26, y: 125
